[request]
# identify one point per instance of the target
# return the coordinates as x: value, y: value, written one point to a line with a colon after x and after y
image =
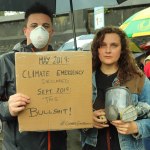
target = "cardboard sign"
x: 59, y: 85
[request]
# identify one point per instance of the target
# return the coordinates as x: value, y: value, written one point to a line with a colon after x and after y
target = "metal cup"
x: 116, y: 100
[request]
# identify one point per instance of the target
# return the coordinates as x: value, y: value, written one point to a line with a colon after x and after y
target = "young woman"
x: 113, y: 65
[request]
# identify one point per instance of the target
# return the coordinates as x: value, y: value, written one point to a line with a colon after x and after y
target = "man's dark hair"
x: 38, y: 8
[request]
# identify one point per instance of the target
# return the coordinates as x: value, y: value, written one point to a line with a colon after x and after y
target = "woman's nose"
x: 107, y: 50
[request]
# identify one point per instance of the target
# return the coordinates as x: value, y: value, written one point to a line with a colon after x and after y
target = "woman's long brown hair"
x: 127, y: 64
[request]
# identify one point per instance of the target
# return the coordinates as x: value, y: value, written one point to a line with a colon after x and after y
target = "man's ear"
x: 24, y: 30
x: 52, y: 32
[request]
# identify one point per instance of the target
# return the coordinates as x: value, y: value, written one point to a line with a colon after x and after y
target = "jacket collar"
x: 22, y: 47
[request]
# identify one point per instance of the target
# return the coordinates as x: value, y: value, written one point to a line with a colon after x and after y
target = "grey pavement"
x: 73, y: 140
x: 0, y: 141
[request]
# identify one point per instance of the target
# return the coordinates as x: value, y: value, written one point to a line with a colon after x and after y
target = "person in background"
x: 147, y: 66
x: 38, y: 31
x: 140, y: 61
x: 114, y: 65
x: 147, y: 73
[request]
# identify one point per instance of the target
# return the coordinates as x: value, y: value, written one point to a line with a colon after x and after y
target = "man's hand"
x: 17, y: 103
x: 99, y: 119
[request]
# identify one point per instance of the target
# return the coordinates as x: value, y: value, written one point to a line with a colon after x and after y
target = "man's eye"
x: 33, y: 26
x: 46, y: 26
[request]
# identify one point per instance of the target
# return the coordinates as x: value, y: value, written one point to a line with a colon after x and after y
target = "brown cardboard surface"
x: 60, y: 87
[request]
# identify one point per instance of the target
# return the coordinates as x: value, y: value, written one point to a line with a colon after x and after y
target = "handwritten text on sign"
x: 60, y: 87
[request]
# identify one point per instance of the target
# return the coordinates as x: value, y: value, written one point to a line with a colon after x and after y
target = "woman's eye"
x: 114, y: 45
x: 103, y: 45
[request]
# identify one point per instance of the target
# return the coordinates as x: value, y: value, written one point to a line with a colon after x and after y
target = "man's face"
x: 35, y: 20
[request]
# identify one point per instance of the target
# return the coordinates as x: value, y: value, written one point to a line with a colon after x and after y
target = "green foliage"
x: 106, y: 10
x: 1, y: 13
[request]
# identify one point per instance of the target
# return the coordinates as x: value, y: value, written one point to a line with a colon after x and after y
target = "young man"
x: 38, y: 20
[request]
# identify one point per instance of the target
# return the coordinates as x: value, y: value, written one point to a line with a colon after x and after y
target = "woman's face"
x: 110, y: 50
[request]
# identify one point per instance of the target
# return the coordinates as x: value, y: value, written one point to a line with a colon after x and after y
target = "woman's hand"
x: 99, y: 119
x: 17, y: 103
x: 125, y: 127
